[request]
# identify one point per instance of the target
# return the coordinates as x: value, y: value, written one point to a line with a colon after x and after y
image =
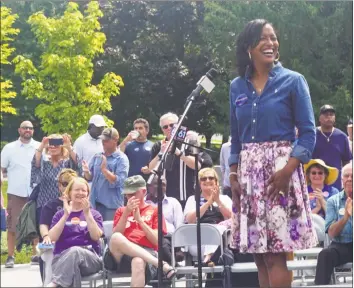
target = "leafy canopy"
x: 6, y: 34
x: 62, y: 81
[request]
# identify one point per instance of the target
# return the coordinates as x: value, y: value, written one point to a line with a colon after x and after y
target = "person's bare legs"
x: 138, y: 272
x: 34, y: 246
x: 11, y: 238
x: 279, y: 275
x: 120, y: 245
x: 263, y: 277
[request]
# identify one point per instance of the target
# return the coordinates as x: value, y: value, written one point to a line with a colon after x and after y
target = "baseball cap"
x: 98, y: 121
x: 327, y: 108
x: 133, y: 184
x: 109, y: 133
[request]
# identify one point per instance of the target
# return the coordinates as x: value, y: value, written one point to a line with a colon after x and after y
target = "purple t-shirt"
x: 333, y: 152
x: 75, y: 232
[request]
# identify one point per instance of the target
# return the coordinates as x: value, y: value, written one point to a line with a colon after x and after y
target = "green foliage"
x: 62, y: 80
x: 7, y: 32
x: 315, y: 39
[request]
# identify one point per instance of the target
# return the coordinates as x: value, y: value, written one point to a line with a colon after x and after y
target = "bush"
x: 2, y: 144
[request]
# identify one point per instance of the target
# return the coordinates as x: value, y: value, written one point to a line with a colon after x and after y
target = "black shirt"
x: 180, y: 179
x: 49, y: 210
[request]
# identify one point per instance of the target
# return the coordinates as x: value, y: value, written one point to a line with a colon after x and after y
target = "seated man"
x: 135, y: 236
x: 339, y: 226
x: 172, y: 211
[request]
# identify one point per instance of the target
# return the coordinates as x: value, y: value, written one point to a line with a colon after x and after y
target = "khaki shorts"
x: 14, y: 208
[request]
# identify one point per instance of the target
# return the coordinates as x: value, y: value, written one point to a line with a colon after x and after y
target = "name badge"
x: 341, y: 211
x: 241, y: 100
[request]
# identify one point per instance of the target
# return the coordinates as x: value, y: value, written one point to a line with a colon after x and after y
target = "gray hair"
x: 194, y: 136
x: 350, y: 164
x: 169, y: 115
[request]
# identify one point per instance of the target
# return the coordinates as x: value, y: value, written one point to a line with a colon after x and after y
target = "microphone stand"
x: 206, y: 86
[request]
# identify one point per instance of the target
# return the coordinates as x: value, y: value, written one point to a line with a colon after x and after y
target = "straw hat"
x: 332, y: 171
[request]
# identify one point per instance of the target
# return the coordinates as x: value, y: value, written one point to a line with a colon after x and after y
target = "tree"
x: 7, y: 31
x: 63, y: 78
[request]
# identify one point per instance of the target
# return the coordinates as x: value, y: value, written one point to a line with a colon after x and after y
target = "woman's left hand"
x: 85, y: 205
x: 278, y: 184
x: 216, y: 195
x: 67, y: 141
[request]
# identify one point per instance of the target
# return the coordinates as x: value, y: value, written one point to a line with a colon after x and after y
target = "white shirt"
x: 190, y: 205
x: 224, y: 163
x: 86, y: 147
x: 16, y: 158
x: 172, y: 212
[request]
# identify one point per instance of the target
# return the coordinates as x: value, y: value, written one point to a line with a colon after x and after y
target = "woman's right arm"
x: 39, y: 151
x: 57, y: 229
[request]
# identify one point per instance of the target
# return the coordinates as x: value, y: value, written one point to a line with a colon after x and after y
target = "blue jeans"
x: 107, y: 213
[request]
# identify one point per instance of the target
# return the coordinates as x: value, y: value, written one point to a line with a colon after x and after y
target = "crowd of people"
x: 273, y: 179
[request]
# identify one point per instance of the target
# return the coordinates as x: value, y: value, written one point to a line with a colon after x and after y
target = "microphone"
x: 205, y: 84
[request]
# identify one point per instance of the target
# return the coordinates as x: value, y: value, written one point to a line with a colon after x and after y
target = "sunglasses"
x: 27, y: 128
x: 64, y: 184
x: 166, y: 126
x: 210, y: 178
x: 317, y: 173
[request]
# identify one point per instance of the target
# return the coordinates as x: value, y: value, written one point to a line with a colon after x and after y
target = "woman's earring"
x: 277, y: 58
x: 249, y: 55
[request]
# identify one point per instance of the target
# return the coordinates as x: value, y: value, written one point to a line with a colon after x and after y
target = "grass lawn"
x: 20, y: 257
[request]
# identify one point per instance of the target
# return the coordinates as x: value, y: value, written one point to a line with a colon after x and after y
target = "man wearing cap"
x: 135, y: 235
x: 88, y: 144
x: 107, y: 171
x: 332, y: 145
x: 339, y: 226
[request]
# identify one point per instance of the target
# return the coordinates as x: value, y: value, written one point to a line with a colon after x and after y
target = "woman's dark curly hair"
x: 249, y: 37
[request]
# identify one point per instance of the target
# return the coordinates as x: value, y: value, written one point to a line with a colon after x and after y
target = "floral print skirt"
x: 284, y: 225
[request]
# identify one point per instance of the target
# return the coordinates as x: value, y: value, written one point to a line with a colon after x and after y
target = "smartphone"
x: 45, y: 246
x: 56, y: 141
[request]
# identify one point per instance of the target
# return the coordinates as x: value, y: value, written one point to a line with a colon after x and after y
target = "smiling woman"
x: 267, y: 101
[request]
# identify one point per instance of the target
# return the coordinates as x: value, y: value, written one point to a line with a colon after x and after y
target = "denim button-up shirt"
x: 335, y: 212
x: 284, y: 103
x: 108, y: 194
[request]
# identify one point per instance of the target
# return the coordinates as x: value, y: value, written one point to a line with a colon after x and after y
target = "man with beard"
x: 16, y: 160
x: 332, y: 145
x: 89, y: 144
x: 339, y: 226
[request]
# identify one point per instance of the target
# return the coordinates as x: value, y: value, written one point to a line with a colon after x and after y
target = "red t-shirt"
x: 133, y: 232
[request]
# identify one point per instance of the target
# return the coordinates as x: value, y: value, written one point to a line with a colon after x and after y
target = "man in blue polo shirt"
x: 339, y: 226
x: 138, y: 148
x: 332, y: 145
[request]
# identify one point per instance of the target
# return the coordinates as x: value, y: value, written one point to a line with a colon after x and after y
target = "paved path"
x: 22, y: 275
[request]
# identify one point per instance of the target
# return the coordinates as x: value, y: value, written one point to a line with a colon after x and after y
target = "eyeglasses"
x: 210, y: 178
x: 317, y: 173
x: 347, y: 175
x: 166, y: 126
x: 27, y: 128
x: 64, y: 184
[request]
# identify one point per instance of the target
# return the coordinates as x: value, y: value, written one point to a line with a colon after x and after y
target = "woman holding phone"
x: 271, y: 209
x: 54, y: 154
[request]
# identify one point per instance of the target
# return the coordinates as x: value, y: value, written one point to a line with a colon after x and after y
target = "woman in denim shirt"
x: 271, y: 212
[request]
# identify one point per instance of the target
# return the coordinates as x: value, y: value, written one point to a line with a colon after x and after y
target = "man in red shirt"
x: 135, y: 235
